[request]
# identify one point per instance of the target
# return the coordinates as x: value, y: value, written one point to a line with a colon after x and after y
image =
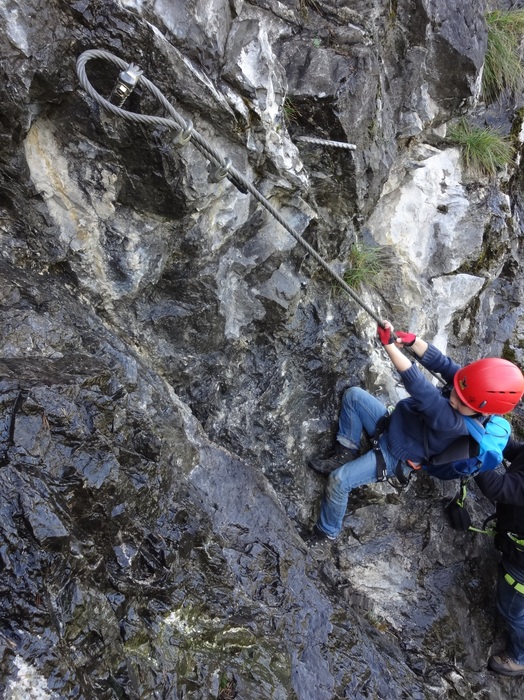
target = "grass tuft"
x: 484, y: 151
x: 367, y: 265
x: 291, y: 112
x: 503, y: 69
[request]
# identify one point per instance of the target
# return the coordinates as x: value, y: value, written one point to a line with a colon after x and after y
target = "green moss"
x: 493, y: 250
x: 193, y: 634
x: 516, y: 125
x: 393, y: 10
x: 467, y: 315
x: 445, y: 635
x: 378, y: 622
x: 508, y: 353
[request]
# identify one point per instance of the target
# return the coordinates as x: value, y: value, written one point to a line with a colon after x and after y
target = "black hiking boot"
x: 339, y: 456
x: 318, y: 543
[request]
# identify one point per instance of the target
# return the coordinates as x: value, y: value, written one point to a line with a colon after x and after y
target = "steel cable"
x: 184, y: 128
x: 180, y: 125
x: 326, y: 142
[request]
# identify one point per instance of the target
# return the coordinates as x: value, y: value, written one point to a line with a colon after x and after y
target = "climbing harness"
x: 460, y: 519
x: 519, y: 543
x: 382, y: 424
x: 130, y: 77
x: 382, y: 471
x: 455, y: 510
x: 513, y: 583
x: 402, y: 479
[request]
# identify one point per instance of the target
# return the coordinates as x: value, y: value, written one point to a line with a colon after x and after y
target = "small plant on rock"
x: 484, y: 150
x: 503, y: 69
x: 306, y: 5
x: 290, y: 110
x: 367, y: 264
x: 227, y: 689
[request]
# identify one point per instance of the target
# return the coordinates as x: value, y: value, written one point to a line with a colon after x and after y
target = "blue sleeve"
x: 434, y: 360
x: 437, y: 411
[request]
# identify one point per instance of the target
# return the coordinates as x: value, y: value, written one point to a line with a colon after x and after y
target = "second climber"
x: 421, y: 425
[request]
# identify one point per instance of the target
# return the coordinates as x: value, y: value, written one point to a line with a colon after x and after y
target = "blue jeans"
x: 359, y: 411
x: 510, y: 604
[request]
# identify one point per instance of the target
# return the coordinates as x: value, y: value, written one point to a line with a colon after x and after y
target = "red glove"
x: 385, y: 335
x: 407, y: 338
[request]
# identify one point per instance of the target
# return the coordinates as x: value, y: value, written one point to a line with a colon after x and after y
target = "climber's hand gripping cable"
x: 395, y: 343
x: 407, y: 339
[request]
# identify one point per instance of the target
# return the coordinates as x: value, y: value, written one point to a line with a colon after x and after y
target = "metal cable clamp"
x: 126, y: 83
x: 184, y: 135
x: 219, y: 172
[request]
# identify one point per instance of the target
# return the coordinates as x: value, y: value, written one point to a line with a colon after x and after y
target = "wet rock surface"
x: 170, y: 357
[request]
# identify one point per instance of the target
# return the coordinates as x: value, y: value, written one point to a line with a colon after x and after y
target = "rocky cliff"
x: 171, y: 355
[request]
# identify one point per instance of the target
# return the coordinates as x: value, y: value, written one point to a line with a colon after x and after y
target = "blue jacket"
x: 426, y: 406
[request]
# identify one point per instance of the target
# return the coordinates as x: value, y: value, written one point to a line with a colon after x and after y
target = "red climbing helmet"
x: 491, y: 385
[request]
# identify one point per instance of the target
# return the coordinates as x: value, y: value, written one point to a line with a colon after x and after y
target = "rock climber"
x: 420, y: 426
x: 507, y: 491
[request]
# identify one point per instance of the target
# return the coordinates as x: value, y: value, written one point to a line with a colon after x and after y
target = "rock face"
x: 171, y: 356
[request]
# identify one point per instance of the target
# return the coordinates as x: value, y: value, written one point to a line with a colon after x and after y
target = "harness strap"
x: 491, y: 530
x: 519, y: 587
x: 382, y: 470
x: 463, y: 491
x: 514, y: 538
